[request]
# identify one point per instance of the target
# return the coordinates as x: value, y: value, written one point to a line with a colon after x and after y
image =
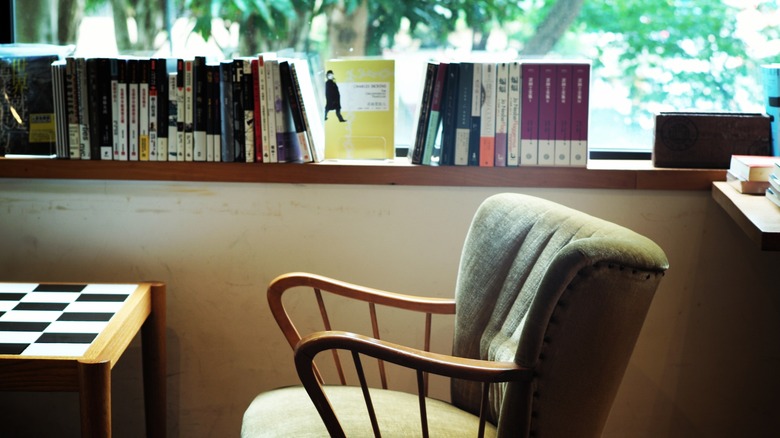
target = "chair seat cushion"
x: 288, y: 412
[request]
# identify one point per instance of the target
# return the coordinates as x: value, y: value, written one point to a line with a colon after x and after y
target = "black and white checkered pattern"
x: 56, y: 319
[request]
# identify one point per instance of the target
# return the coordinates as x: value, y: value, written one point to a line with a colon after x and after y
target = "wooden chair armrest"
x: 285, y: 282
x: 408, y: 357
x: 422, y: 361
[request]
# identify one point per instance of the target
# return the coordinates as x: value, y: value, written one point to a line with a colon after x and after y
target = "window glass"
x: 647, y: 56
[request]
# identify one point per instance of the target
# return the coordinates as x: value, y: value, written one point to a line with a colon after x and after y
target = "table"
x: 67, y: 337
x: 758, y: 217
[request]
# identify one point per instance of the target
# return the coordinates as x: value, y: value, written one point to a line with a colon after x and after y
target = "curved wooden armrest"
x: 288, y: 281
x: 424, y: 361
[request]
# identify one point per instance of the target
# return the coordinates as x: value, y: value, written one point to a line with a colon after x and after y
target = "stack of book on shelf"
x: 261, y: 108
x: 749, y: 174
x: 502, y: 114
x: 773, y: 191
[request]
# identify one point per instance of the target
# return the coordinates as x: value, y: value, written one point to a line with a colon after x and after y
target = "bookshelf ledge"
x: 602, y: 174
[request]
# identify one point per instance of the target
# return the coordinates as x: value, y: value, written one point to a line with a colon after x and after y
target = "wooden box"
x: 708, y: 140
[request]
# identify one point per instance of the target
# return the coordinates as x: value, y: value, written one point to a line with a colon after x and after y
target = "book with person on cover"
x: 360, y: 109
x: 27, y: 117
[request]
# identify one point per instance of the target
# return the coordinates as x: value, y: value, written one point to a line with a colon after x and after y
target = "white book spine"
x: 270, y: 66
x: 144, y: 144
x: 263, y: 111
x: 189, y: 139
x: 173, y: 104
x: 513, y: 131
x: 85, y: 149
x: 249, y: 115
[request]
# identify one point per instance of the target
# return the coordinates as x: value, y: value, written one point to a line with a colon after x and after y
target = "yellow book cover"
x: 359, y: 109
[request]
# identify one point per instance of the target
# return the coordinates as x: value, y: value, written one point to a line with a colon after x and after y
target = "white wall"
x: 705, y: 365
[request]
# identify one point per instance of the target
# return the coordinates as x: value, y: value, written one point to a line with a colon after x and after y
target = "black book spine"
x: 424, y: 113
x: 238, y: 110
x: 449, y: 117
x: 226, y: 109
x: 199, y: 108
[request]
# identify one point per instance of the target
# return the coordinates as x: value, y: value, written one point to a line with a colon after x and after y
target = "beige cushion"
x: 288, y: 412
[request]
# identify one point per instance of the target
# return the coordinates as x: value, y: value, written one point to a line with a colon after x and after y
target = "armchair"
x: 548, y: 305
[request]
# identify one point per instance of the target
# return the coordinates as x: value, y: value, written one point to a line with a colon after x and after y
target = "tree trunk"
x: 121, y: 32
x: 70, y: 14
x: 37, y: 21
x: 562, y: 14
x: 347, y: 32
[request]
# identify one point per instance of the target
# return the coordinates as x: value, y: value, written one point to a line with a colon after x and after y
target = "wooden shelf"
x: 599, y: 175
x: 758, y: 217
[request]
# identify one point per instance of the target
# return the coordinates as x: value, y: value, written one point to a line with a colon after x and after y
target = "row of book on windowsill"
x: 514, y: 113
x: 755, y: 175
x: 262, y: 108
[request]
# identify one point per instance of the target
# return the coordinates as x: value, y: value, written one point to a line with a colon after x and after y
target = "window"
x: 647, y: 56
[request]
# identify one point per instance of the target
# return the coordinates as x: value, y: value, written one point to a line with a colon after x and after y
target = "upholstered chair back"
x: 558, y: 291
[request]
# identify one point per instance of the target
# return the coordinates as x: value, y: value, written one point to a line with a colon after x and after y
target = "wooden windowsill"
x: 600, y: 174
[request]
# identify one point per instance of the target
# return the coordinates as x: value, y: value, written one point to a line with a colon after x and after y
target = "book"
x: 745, y: 186
x: 132, y: 109
x: 213, y: 115
x: 154, y: 107
x: 248, y: 107
x: 226, y: 110
x: 144, y: 72
x: 199, y: 109
x: 773, y: 194
x: 163, y: 100
x: 431, y: 151
x: 60, y: 112
x: 173, y: 117
x: 120, y: 129
x: 271, y: 65
x: 101, y: 88
x: 93, y: 103
x: 580, y: 110
x: 448, y: 119
x: 770, y: 79
x: 363, y: 90
x: 774, y: 180
x: 529, y: 110
x: 265, y: 156
x: 547, y: 116
x: 502, y: 114
x: 487, y: 126
x: 281, y: 128
x: 180, y: 111
x: 82, y: 85
x: 258, y: 119
x: 514, y: 112
x: 310, y: 105
x: 72, y: 100
x: 189, y: 110
x: 463, y: 113
x: 563, y: 115
x: 476, y: 111
x: 423, y: 113
x: 752, y: 167
x: 27, y: 107
x: 293, y: 134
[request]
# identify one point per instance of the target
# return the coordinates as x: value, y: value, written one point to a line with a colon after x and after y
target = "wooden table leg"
x: 95, y: 399
x: 154, y: 365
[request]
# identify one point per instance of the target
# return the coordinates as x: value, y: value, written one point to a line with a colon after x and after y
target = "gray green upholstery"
x: 540, y: 284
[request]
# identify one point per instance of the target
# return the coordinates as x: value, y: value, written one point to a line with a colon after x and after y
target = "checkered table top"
x: 56, y: 319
